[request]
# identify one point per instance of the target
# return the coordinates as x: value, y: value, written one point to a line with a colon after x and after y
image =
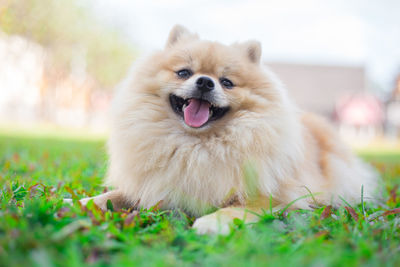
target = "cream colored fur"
x: 156, y: 158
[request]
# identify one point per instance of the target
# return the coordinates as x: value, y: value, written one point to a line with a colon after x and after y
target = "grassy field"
x: 37, y: 229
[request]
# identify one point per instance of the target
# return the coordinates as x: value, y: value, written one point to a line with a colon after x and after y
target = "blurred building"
x: 336, y: 92
x: 393, y: 111
x: 317, y: 88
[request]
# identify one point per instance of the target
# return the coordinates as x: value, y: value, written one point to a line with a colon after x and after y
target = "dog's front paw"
x: 84, y: 201
x: 211, y: 224
x: 101, y: 203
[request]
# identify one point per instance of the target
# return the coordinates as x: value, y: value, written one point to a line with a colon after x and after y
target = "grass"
x: 37, y: 229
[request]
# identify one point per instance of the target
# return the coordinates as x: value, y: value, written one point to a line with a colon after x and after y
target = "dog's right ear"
x: 178, y: 33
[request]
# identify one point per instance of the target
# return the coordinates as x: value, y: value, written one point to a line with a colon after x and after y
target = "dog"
x: 206, y: 128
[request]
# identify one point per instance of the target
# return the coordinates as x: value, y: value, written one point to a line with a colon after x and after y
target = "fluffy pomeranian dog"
x: 205, y: 127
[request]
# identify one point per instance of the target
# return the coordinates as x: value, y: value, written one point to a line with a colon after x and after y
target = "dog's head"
x: 204, y: 83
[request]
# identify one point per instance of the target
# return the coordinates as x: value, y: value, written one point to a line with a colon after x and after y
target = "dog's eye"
x: 226, y: 83
x: 184, y: 73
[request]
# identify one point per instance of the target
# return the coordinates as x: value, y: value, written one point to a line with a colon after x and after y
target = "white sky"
x: 352, y: 32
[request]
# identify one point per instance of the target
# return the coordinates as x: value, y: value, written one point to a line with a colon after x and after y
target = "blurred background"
x: 60, y: 60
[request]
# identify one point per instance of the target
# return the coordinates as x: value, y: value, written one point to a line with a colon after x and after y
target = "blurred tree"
x: 71, y: 35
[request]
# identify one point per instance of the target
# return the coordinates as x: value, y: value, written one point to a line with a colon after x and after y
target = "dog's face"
x: 205, y: 83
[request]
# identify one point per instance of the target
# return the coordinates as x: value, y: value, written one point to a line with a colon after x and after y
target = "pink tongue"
x: 197, y: 112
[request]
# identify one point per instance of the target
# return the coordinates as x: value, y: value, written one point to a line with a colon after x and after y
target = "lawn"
x: 37, y: 229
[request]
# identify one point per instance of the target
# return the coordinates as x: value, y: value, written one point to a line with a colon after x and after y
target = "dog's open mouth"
x: 196, y: 112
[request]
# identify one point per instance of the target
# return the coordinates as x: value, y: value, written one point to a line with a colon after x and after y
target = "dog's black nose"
x: 204, y: 84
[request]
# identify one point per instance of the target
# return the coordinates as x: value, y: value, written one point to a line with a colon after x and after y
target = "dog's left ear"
x: 177, y: 33
x: 252, y: 49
